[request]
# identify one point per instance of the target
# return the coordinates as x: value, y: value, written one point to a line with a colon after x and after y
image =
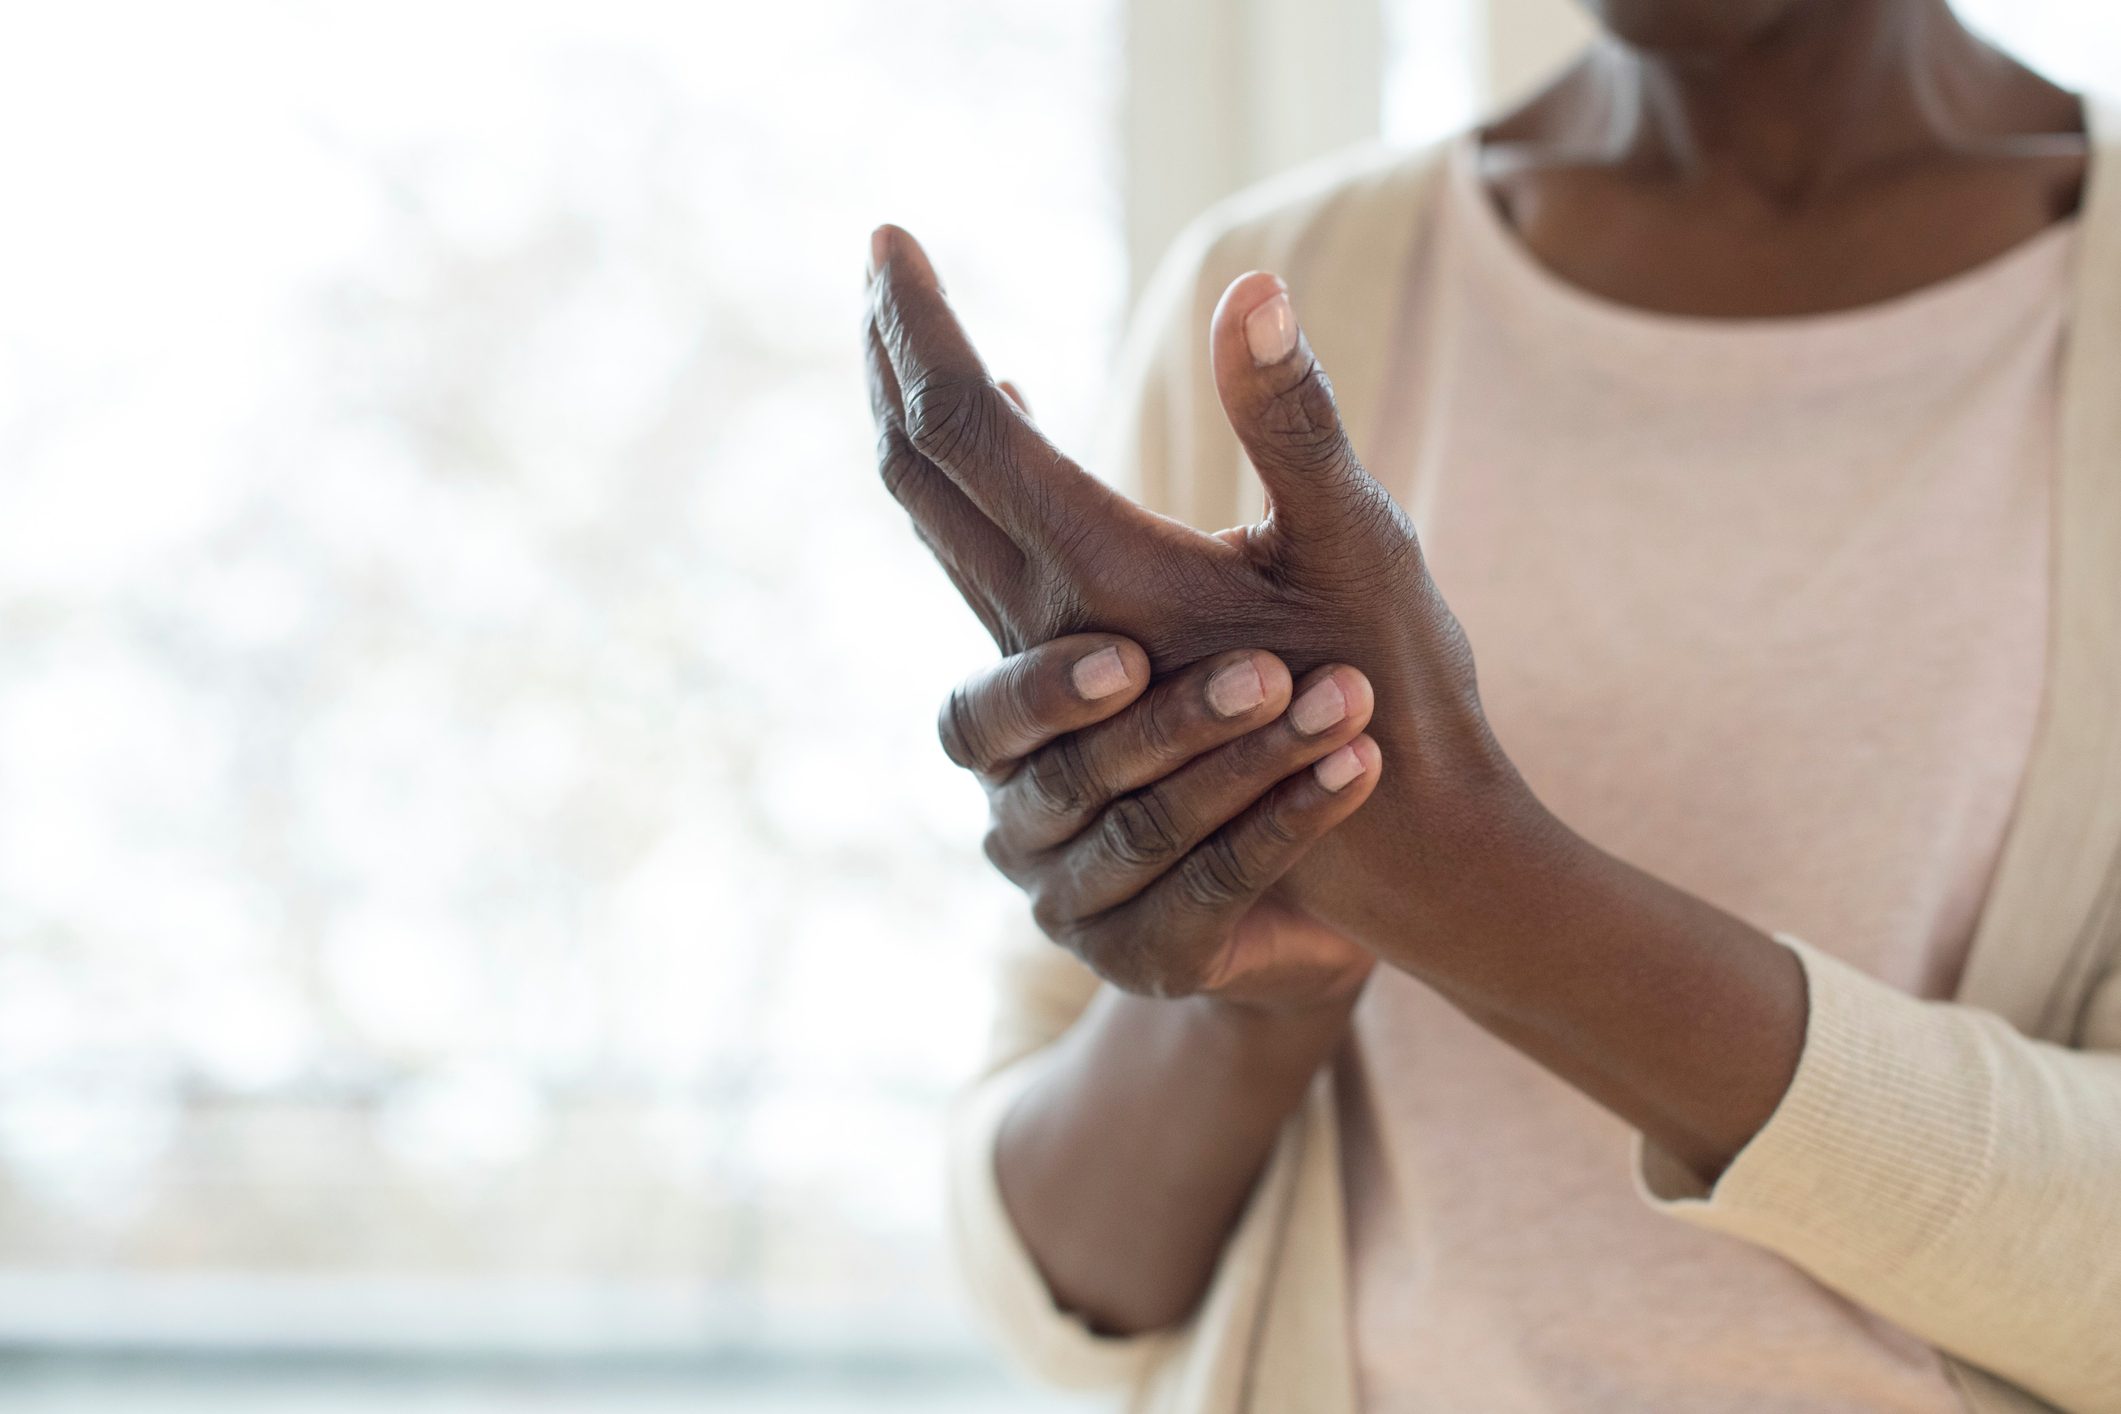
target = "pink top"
x: 1758, y: 605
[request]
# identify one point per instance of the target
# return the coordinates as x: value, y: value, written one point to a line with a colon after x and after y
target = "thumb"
x: 1281, y: 406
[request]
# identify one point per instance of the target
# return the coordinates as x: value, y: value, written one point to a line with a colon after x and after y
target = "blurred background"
x: 483, y: 921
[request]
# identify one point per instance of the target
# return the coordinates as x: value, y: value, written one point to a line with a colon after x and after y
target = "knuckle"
x: 1016, y: 688
x: 989, y: 719
x: 1305, y: 422
x: 1085, y: 778
x: 999, y: 851
x: 1271, y: 821
x: 1381, y: 522
x: 1137, y: 831
x: 1053, y: 918
x: 948, y: 417
x: 1060, y: 782
x: 898, y: 464
x: 1215, y: 876
x: 1158, y: 725
x: 959, y: 726
x: 1261, y: 757
x: 1046, y: 788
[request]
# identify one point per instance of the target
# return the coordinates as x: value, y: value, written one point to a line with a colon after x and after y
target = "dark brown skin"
x: 1152, y: 823
x: 1716, y: 158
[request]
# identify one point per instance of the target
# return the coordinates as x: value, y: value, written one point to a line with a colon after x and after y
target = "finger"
x: 1140, y: 837
x: 972, y: 549
x: 1281, y: 405
x: 995, y: 718
x: 1062, y: 787
x: 1016, y: 395
x: 959, y: 418
x: 1192, y: 907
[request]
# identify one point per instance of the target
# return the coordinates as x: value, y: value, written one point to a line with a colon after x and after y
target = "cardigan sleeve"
x: 1938, y: 1167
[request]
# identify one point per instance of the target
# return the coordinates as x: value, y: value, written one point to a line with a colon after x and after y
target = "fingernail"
x: 1270, y: 330
x: 1338, y: 769
x: 879, y: 250
x: 1236, y: 689
x: 1099, y: 675
x: 1319, y: 708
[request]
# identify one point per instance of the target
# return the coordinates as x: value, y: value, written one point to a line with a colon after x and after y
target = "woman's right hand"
x: 1149, y: 822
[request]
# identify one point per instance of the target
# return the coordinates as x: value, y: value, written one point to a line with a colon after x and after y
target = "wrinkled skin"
x: 1147, y: 822
x: 1332, y: 574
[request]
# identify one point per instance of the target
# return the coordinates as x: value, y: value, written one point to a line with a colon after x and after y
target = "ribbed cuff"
x: 1879, y: 1144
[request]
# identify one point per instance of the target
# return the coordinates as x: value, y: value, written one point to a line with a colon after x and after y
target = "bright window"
x: 469, y: 808
x: 475, y: 868
x: 2074, y: 44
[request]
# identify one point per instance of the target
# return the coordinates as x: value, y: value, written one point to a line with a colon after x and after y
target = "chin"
x: 1691, y: 26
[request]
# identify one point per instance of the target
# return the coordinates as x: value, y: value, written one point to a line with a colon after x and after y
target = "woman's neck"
x: 1833, y: 91
x: 1853, y: 150
x: 1834, y: 88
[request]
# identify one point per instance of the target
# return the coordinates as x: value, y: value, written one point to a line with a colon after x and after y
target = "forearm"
x: 1680, y: 1018
x: 1126, y: 1165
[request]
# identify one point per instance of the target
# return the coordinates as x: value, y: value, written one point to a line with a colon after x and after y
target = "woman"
x: 1417, y: 1047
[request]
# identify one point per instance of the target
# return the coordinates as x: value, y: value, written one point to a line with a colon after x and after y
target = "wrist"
x: 1526, y: 891
x: 1456, y: 868
x: 1294, y: 1035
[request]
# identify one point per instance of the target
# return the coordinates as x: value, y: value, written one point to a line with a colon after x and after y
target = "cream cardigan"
x: 1955, y: 1167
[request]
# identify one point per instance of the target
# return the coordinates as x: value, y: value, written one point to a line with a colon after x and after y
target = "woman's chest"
x: 1784, y: 650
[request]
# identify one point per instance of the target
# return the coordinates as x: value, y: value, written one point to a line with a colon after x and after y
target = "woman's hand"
x: 1333, y: 574
x: 1149, y: 822
x: 1683, y: 1020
